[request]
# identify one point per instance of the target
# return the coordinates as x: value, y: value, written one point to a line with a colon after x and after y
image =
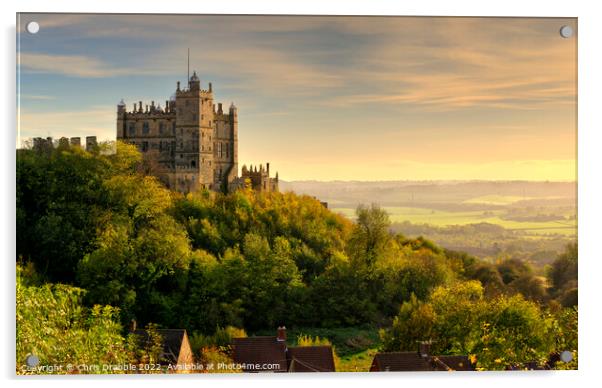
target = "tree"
x: 459, y: 319
x: 563, y: 276
x: 370, y: 235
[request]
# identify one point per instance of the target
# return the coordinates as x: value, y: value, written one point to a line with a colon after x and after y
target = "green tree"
x: 563, y: 276
x: 459, y: 319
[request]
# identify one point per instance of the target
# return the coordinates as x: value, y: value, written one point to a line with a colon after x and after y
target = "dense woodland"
x: 100, y: 242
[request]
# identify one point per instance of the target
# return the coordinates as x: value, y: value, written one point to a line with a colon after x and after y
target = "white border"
x: 590, y: 125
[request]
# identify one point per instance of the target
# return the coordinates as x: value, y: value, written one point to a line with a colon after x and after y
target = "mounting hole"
x: 33, y: 27
x: 566, y: 356
x: 566, y: 31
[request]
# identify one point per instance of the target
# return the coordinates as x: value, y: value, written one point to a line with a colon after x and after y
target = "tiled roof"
x: 412, y: 361
x: 172, y: 342
x: 311, y: 359
x: 399, y: 362
x: 260, y: 350
x: 461, y: 363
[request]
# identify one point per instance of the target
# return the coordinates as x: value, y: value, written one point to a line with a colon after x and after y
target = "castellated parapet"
x: 47, y: 144
x: 192, y: 143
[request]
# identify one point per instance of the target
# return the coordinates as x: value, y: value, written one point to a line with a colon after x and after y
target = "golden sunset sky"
x: 326, y: 98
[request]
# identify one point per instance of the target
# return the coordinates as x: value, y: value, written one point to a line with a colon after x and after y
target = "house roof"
x: 260, y: 350
x: 311, y: 359
x: 172, y: 342
x: 461, y: 363
x: 412, y: 361
x: 399, y: 362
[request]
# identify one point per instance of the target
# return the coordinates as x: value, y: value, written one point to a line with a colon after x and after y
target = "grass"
x: 446, y: 218
x: 358, y: 362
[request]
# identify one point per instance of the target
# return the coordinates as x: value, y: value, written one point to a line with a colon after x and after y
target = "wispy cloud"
x: 69, y: 65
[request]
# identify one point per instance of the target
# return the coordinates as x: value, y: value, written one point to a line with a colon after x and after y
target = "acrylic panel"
x: 239, y: 194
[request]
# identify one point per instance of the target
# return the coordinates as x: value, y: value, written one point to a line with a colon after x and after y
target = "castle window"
x: 161, y: 127
x: 144, y: 146
x: 145, y: 128
x: 193, y: 164
x: 181, y: 156
x: 132, y: 129
x: 227, y: 150
x: 194, y: 117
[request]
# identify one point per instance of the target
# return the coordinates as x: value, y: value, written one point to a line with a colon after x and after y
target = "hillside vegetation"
x: 109, y: 243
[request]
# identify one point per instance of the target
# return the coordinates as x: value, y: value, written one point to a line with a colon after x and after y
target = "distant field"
x: 445, y: 218
x: 497, y: 199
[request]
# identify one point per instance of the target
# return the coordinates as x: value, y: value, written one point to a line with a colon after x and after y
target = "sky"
x: 324, y: 98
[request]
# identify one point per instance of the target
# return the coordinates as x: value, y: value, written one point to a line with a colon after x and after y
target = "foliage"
x: 221, y: 339
x: 53, y: 325
x: 563, y: 276
x: 110, y: 243
x: 460, y: 320
x: 147, y: 348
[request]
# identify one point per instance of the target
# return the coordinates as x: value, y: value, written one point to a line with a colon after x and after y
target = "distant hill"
x: 449, y: 195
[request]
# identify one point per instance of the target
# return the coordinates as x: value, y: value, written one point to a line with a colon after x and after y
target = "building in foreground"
x: 271, y: 354
x: 176, y: 352
x: 191, y: 142
x: 419, y: 361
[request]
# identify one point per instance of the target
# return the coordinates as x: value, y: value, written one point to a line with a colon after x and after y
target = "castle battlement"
x: 40, y: 144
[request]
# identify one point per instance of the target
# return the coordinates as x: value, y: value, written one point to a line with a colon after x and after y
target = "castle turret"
x: 194, y: 83
x: 121, y: 119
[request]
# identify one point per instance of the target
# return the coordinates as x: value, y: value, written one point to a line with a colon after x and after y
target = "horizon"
x: 325, y: 98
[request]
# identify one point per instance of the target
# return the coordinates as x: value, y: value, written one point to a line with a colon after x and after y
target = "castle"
x: 192, y: 143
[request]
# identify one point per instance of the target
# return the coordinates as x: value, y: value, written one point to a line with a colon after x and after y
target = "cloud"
x: 69, y: 65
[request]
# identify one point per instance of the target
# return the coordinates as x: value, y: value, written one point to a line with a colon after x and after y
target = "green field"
x: 417, y: 215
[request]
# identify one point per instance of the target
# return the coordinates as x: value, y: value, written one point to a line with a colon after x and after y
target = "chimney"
x: 281, y: 337
x: 425, y: 349
x: 133, y: 325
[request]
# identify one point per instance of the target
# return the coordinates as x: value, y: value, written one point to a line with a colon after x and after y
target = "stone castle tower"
x: 192, y: 143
